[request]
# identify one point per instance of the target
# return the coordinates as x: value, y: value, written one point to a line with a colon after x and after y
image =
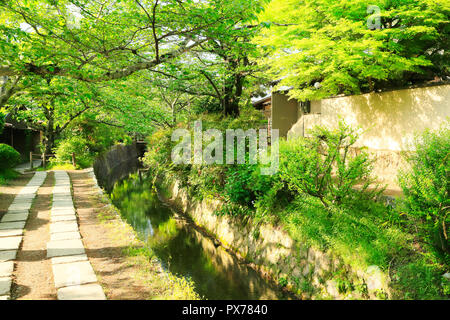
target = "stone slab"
x: 62, y: 199
x: 71, y: 217
x: 8, y: 255
x: 91, y: 291
x: 65, y: 236
x: 14, y: 217
x: 62, y: 208
x: 5, y: 286
x: 62, y: 187
x: 24, y: 197
x: 73, y: 274
x: 12, y: 225
x: 11, y: 233
x: 69, y: 259
x: 62, y: 204
x: 6, y: 268
x: 23, y: 204
x: 26, y: 206
x: 63, y: 226
x: 61, y: 248
x: 62, y: 212
x: 10, y: 243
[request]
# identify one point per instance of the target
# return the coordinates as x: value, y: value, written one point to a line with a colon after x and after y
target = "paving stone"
x: 18, y: 211
x: 12, y: 225
x: 62, y: 212
x: 61, y: 186
x: 64, y: 218
x: 8, y: 255
x: 65, y: 236
x: 62, y: 193
x: 22, y: 201
x: 72, y: 208
x: 24, y: 197
x: 84, y: 292
x: 63, y: 204
x: 11, y: 233
x: 10, y: 243
x: 6, y: 268
x: 73, y: 274
x: 12, y: 217
x: 59, y: 248
x: 63, y: 226
x: 69, y: 259
x: 5, y: 286
x: 62, y: 198
x: 25, y: 206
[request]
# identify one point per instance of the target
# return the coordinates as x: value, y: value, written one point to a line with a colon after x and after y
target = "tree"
x: 97, y: 42
x: 110, y: 40
x: 327, y: 47
x: 50, y: 105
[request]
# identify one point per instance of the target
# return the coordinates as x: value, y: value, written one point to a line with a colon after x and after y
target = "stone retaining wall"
x: 115, y: 165
x: 313, y: 273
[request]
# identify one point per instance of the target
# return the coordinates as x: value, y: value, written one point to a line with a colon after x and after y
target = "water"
x: 185, y: 251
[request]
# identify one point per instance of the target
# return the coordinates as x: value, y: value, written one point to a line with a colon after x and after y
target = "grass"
x: 365, y: 236
x: 7, y: 175
x: 49, y: 167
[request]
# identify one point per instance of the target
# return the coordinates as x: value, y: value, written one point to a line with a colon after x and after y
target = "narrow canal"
x: 185, y: 251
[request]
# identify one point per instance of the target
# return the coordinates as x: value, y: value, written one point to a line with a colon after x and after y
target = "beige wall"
x: 389, y: 119
x: 284, y: 113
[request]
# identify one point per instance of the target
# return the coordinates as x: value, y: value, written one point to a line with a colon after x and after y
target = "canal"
x: 185, y: 250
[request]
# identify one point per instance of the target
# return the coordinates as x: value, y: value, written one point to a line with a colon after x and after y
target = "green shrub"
x: 325, y: 167
x: 239, y: 185
x: 246, y: 185
x: 9, y: 157
x: 426, y: 187
x: 159, y: 149
x: 78, y: 145
x: 7, y: 175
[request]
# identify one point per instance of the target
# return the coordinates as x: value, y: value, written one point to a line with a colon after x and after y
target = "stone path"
x: 12, y: 228
x: 73, y: 274
x: 26, y: 166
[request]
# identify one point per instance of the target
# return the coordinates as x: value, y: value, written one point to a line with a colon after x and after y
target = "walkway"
x: 11, y: 231
x: 26, y: 166
x: 61, y: 239
x: 73, y: 274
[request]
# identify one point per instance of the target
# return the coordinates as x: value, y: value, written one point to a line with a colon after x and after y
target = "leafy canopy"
x: 327, y: 47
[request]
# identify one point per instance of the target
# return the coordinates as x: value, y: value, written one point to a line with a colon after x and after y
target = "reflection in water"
x: 185, y: 251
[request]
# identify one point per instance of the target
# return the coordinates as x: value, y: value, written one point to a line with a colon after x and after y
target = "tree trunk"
x: 49, y: 137
x: 233, y: 89
x: 231, y: 100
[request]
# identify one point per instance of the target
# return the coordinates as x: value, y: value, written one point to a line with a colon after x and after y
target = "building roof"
x: 12, y: 122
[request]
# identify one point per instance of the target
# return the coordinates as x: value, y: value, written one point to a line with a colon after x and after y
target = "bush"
x: 77, y: 145
x: 9, y: 157
x: 325, y: 167
x: 159, y: 149
x: 426, y: 187
x: 245, y: 184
